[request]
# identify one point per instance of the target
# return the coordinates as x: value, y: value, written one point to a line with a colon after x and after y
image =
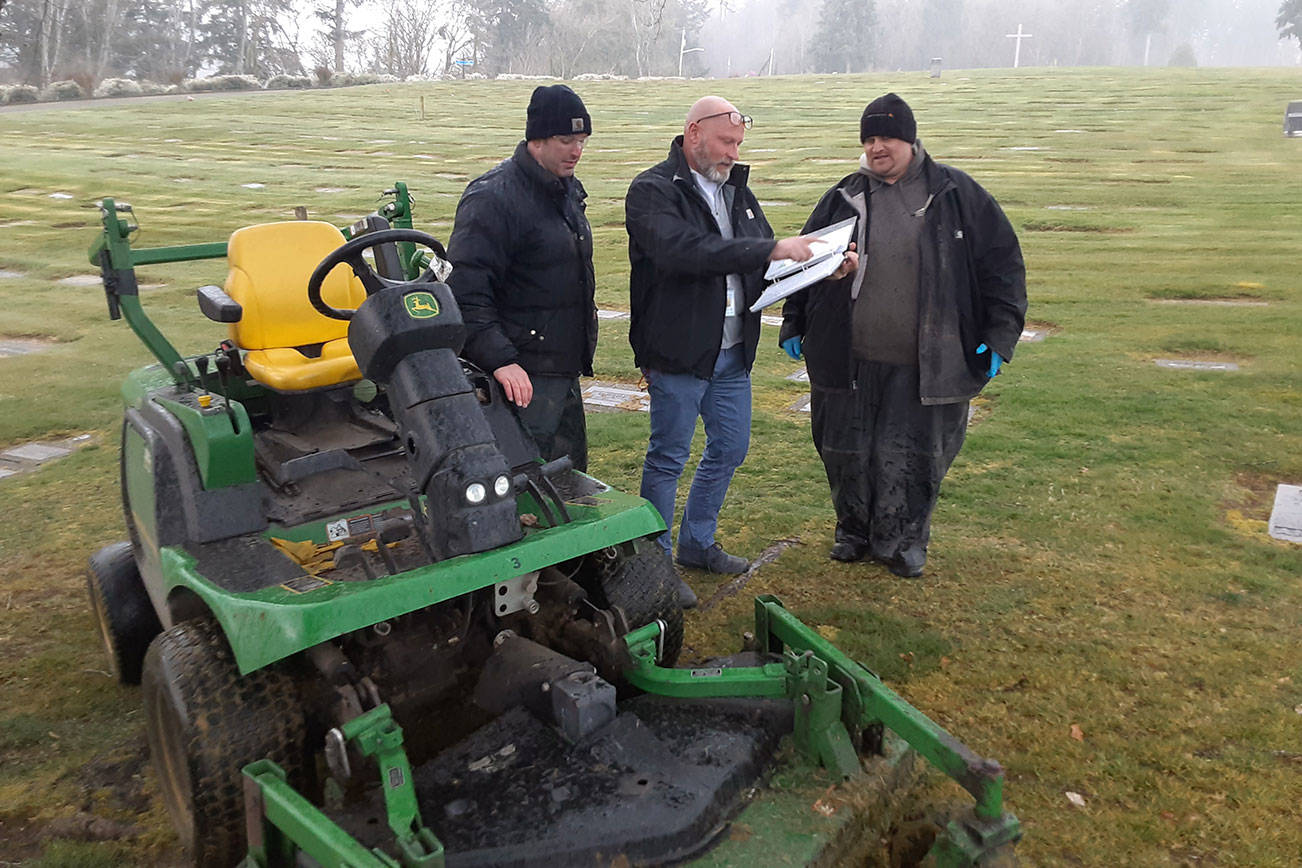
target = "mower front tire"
x: 205, y: 722
x: 125, y: 616
x: 645, y: 586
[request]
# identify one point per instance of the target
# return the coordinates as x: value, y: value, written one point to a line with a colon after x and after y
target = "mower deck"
x: 657, y: 784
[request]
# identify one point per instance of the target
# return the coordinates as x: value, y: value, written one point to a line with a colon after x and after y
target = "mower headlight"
x: 475, y: 492
x: 501, y: 485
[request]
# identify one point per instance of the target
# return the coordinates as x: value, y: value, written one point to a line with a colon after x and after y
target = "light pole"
x: 683, y: 49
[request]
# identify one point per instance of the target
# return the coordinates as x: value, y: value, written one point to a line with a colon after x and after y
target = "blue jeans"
x: 723, y: 404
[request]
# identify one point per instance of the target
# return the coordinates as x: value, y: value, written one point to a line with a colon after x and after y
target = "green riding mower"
x: 373, y: 628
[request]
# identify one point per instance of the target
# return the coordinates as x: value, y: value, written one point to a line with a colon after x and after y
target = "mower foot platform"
x: 657, y: 785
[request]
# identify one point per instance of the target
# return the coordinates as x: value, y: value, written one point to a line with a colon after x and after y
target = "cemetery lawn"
x: 1103, y: 610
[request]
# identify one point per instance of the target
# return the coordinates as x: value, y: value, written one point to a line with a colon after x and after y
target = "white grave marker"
x: 800, y: 376
x: 1195, y: 365
x: 612, y: 314
x: 13, y: 347
x: 34, y: 452
x: 1286, y: 517
x: 615, y: 396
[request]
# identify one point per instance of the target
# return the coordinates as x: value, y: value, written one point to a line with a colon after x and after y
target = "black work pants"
x: 885, y: 453
x: 555, y: 421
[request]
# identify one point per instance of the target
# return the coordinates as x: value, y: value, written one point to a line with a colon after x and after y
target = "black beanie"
x: 890, y: 117
x: 555, y: 110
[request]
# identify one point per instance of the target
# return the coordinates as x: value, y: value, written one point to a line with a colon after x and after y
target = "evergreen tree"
x: 844, y: 39
x: 1289, y: 20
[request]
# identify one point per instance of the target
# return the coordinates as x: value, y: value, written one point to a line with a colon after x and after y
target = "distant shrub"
x: 1183, y: 56
x: 149, y: 88
x: 118, y: 87
x: 4, y: 93
x: 515, y: 76
x: 221, y: 82
x: 288, y: 82
x: 21, y: 93
x: 59, y: 90
x: 353, y: 79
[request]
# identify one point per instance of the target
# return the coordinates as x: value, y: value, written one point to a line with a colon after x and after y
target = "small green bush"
x: 352, y: 79
x: 149, y: 88
x: 221, y: 82
x: 288, y: 82
x: 118, y: 87
x: 21, y: 93
x: 60, y: 90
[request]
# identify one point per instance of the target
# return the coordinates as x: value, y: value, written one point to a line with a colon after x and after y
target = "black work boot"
x: 712, y: 560
x: 844, y: 550
x: 907, y: 564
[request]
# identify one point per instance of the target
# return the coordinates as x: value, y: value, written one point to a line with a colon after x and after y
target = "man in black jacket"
x: 896, y: 349
x: 698, y: 244
x: 521, y: 253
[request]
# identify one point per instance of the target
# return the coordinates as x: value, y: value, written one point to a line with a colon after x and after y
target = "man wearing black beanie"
x: 521, y: 253
x: 896, y: 348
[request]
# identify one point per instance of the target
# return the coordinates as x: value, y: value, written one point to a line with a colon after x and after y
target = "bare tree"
x: 406, y: 37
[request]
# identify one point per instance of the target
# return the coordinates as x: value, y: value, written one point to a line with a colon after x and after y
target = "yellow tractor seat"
x: 289, y: 346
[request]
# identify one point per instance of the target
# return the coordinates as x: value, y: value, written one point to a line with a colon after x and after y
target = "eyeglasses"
x: 733, y: 118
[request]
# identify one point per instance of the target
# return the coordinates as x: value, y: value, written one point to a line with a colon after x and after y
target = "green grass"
x: 1099, y: 554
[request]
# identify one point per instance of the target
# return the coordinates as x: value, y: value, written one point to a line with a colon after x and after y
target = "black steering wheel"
x: 351, y: 252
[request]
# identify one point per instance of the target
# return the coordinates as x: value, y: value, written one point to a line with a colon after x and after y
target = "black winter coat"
x: 521, y: 253
x: 680, y: 264
x: 973, y: 288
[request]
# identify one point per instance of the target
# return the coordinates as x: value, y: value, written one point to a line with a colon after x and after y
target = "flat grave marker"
x: 612, y: 314
x: 30, y: 456
x: 601, y: 396
x: 1286, y: 516
x: 1214, y: 302
x: 82, y: 280
x: 1195, y: 365
x: 34, y: 452
x: 10, y: 347
x: 5, y: 274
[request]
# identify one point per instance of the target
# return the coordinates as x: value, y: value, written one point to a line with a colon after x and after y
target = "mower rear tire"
x: 645, y: 586
x: 123, y: 612
x: 205, y: 722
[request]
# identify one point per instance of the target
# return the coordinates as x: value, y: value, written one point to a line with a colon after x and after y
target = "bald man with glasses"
x: 698, y: 245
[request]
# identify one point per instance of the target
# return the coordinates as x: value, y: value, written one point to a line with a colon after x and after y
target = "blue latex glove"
x: 996, y: 361
x: 791, y: 346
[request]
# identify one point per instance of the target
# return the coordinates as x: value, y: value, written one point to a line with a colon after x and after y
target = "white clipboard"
x: 789, y: 276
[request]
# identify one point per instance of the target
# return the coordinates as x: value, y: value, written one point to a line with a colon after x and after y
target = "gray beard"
x: 710, y: 173
x: 714, y: 175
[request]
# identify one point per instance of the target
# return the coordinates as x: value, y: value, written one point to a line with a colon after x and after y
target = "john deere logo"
x: 421, y: 305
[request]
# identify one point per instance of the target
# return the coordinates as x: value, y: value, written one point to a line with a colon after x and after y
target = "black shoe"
x: 907, y: 564
x: 712, y: 560
x: 847, y: 551
x: 686, y: 596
